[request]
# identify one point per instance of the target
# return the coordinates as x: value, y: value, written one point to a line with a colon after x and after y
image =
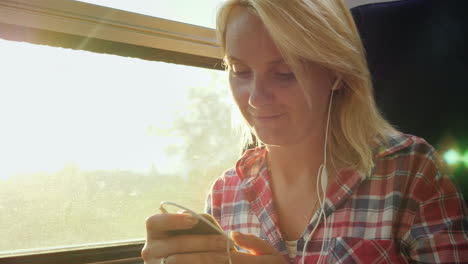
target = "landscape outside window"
x: 91, y: 143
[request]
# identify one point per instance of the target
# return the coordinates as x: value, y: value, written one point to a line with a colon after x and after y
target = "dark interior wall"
x: 417, y: 54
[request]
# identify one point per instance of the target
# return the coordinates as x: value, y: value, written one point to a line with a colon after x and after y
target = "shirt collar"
x: 255, y: 184
x: 251, y: 163
x: 384, y: 146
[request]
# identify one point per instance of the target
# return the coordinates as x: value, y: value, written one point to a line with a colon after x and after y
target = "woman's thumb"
x: 253, y: 244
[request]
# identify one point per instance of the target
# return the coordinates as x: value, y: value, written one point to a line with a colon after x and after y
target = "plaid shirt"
x: 407, y: 210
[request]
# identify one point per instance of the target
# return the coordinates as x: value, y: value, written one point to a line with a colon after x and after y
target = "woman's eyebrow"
x: 275, y: 61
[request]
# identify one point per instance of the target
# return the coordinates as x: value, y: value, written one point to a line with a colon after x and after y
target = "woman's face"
x: 266, y: 90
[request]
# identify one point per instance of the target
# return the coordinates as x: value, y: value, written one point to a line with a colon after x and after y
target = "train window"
x: 200, y: 13
x: 91, y: 143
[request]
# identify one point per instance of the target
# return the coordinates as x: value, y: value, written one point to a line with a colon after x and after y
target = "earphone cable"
x: 161, y: 207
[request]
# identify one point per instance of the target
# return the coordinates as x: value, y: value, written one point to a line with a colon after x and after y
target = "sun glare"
x: 90, y: 143
x: 61, y: 106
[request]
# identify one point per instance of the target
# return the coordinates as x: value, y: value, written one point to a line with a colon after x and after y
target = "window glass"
x: 91, y: 143
x: 200, y: 13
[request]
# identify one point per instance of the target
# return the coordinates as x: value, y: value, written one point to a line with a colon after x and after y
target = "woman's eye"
x: 242, y: 74
x: 285, y: 76
x: 239, y: 71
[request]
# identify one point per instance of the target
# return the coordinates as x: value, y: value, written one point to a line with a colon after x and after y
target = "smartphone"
x: 201, y: 228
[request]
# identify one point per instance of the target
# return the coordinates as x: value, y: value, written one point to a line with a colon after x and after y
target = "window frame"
x: 84, y: 26
x: 108, y: 253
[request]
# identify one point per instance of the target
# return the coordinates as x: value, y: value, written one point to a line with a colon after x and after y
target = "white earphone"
x: 322, y: 176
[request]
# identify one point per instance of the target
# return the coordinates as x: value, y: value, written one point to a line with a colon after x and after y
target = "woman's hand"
x: 260, y: 251
x: 181, y: 248
x: 200, y: 249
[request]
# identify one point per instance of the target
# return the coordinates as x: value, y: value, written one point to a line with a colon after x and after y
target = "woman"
x: 331, y: 181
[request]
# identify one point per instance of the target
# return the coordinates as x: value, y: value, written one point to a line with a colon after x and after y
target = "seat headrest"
x: 417, y: 51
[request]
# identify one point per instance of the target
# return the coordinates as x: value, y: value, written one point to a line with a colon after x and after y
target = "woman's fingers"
x: 245, y: 258
x: 160, y: 243
x: 157, y: 225
x: 211, y: 249
x: 192, y: 243
x: 184, y: 244
x: 199, y: 258
x: 222, y: 258
x: 201, y: 248
x: 253, y: 244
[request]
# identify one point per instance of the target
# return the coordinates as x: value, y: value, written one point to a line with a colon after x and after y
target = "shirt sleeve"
x: 439, y: 233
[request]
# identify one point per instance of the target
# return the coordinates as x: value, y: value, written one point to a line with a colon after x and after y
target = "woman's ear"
x: 336, y: 84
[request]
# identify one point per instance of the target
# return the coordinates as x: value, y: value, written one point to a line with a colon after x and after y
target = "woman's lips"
x: 266, y: 118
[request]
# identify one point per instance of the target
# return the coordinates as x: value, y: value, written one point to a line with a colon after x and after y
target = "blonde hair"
x: 323, y: 32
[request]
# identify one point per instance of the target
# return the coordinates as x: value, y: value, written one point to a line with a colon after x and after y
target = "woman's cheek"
x: 240, y: 91
x: 241, y: 97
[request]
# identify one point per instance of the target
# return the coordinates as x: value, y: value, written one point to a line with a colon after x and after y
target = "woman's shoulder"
x: 413, y: 162
x: 407, y: 150
x: 398, y: 144
x: 411, y: 153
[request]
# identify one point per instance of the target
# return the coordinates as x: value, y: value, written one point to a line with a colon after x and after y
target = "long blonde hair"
x: 323, y: 32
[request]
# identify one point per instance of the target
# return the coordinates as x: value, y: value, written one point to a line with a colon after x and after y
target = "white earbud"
x: 324, y: 179
x: 335, y: 84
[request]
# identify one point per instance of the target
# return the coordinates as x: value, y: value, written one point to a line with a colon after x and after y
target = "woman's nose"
x: 260, y: 95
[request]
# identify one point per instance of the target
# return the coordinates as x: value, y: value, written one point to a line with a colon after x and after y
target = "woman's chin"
x: 270, y: 139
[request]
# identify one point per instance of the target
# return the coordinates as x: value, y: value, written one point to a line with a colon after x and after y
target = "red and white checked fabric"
x: 406, y: 210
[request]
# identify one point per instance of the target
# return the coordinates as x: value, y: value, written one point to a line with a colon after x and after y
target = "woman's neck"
x: 293, y: 171
x: 296, y: 164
